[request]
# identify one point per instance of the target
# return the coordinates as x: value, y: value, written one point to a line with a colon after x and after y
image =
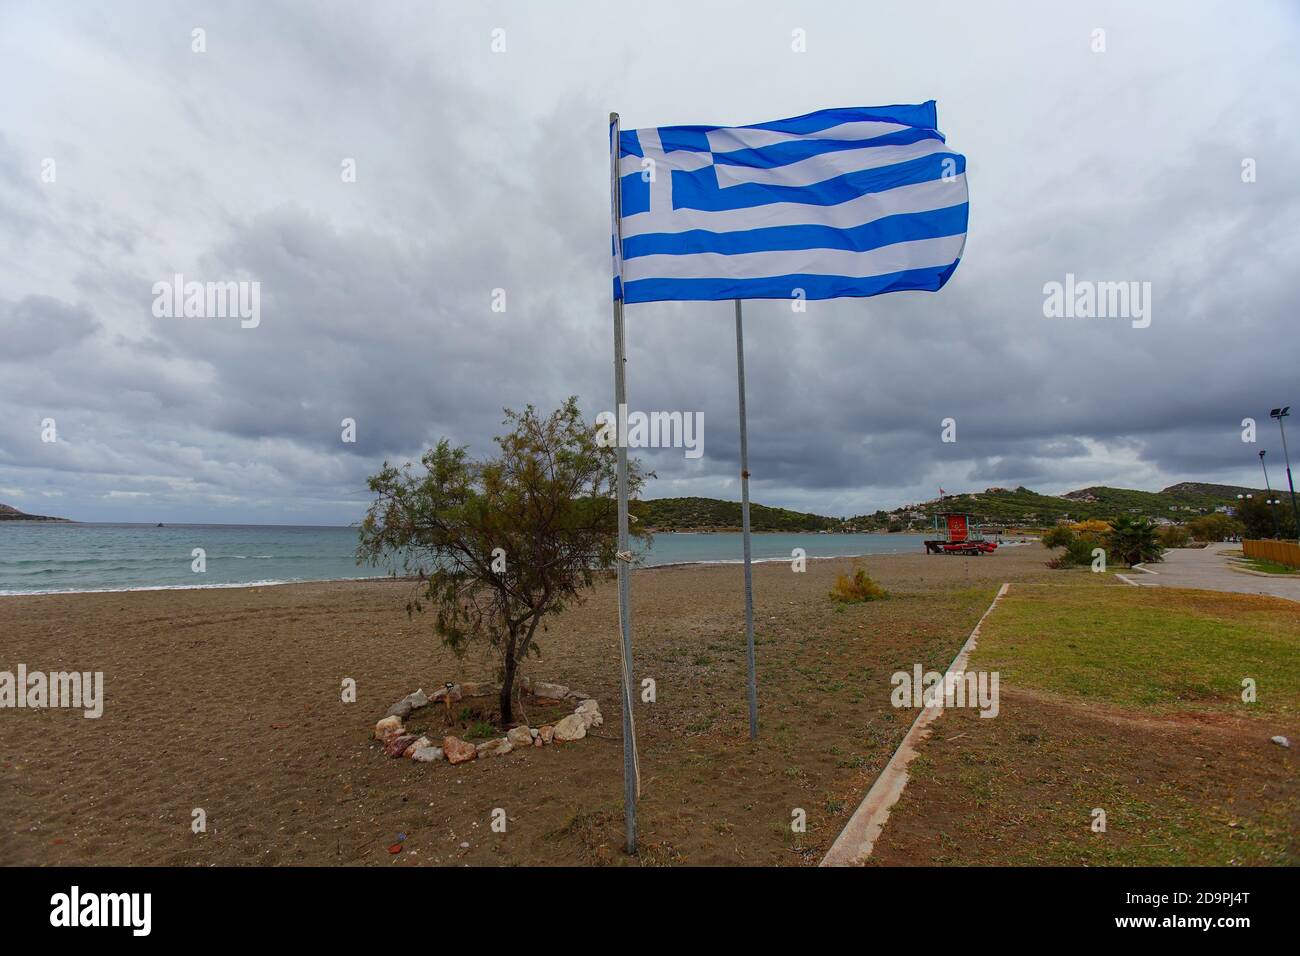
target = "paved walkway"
x: 1209, y: 569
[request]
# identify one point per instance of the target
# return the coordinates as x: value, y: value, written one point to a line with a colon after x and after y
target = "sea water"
x: 44, y: 557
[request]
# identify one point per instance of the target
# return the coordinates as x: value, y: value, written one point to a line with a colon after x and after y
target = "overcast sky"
x: 479, y: 170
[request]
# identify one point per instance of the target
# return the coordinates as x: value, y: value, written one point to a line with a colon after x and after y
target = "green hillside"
x: 665, y: 514
x: 1021, y: 506
x: 1000, y: 506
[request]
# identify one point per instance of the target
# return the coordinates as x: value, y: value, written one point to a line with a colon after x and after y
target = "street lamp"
x: 1277, y: 530
x: 1279, y: 414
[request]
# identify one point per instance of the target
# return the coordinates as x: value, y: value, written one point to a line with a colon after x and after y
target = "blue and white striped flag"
x: 841, y: 202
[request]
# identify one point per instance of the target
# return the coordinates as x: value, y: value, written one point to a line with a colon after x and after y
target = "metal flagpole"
x: 744, y: 521
x: 631, y: 777
x: 1277, y: 528
x: 1295, y: 513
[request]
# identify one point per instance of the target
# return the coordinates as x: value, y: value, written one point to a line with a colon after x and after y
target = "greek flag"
x: 841, y: 202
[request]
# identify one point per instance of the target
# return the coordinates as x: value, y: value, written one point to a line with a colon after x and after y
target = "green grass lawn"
x: 1269, y: 567
x: 1165, y: 745
x: 1160, y: 649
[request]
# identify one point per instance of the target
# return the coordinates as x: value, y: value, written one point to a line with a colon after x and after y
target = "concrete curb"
x: 1135, y: 584
x: 858, y: 839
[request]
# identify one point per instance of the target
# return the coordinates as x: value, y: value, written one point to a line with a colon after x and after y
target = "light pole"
x: 1279, y: 414
x: 1277, y: 530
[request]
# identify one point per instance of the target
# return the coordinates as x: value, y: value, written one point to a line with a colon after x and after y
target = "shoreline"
x: 271, y: 583
x: 386, y: 577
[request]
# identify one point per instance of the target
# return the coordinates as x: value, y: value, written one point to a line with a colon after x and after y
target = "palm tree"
x: 1133, y: 541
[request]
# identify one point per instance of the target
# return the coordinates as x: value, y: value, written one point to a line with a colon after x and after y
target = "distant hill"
x: 8, y: 513
x: 1188, y: 494
x: 999, y: 506
x: 1021, y: 506
x: 665, y: 514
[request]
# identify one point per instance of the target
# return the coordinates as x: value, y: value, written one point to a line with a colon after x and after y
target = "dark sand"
x: 229, y: 700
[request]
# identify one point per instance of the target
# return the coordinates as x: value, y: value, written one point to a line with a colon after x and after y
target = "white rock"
x: 494, y: 748
x: 388, y: 727
x: 418, y: 699
x: 415, y: 745
x: 551, y: 691
x: 572, y: 727
x: 1280, y: 741
x: 520, y: 736
x: 407, y: 704
x: 589, y: 711
x: 427, y: 754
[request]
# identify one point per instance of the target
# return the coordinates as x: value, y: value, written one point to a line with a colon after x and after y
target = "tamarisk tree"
x: 499, y: 545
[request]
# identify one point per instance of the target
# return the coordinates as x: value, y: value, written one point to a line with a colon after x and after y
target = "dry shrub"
x: 856, y: 589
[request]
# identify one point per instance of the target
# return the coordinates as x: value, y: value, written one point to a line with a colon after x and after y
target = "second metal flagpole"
x: 744, y: 520
x: 631, y: 782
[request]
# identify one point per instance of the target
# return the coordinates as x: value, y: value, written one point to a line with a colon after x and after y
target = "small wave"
x: 85, y: 562
x: 191, y: 587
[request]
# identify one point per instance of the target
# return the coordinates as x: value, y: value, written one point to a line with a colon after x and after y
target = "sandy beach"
x: 229, y: 700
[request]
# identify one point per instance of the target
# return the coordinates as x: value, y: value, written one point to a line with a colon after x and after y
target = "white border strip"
x: 858, y: 839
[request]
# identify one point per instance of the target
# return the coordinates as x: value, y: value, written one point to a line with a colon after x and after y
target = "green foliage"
x: 1078, y: 552
x: 663, y: 513
x: 856, y: 589
x: 1133, y: 541
x: 503, y: 543
x: 1173, y: 536
x: 1257, y: 516
x: 1216, y: 527
x: 1057, y: 536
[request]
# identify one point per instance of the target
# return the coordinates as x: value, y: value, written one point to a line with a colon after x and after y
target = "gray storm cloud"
x: 478, y: 171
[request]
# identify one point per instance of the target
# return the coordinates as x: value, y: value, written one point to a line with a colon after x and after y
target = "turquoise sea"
x: 42, y: 557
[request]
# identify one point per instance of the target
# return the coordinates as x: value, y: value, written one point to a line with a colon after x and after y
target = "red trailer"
x: 959, y: 535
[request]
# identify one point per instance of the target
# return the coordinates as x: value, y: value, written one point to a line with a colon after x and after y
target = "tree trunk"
x: 508, y: 685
